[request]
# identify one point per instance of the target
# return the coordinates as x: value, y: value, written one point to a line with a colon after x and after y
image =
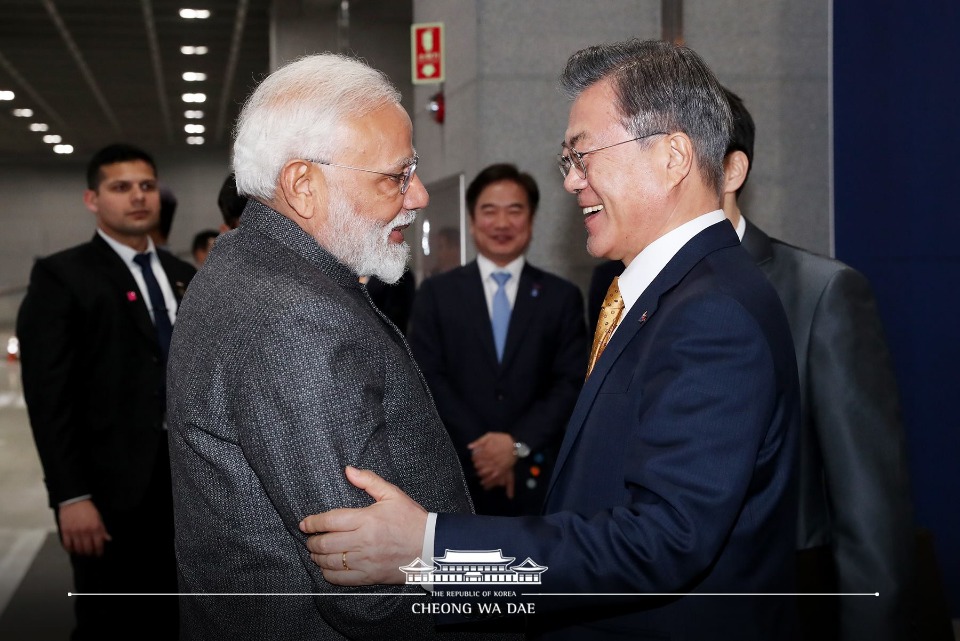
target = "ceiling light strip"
x: 82, y: 64
x: 48, y: 111
x: 231, y: 69
x: 154, y: 46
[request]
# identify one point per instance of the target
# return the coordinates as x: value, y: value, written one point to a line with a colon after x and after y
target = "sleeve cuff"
x: 426, y: 552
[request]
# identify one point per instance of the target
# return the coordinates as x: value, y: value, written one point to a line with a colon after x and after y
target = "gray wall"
x: 775, y: 55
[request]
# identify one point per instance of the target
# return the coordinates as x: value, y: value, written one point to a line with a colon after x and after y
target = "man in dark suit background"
x: 504, y: 404
x: 856, y: 520
x: 94, y: 331
x: 677, y: 470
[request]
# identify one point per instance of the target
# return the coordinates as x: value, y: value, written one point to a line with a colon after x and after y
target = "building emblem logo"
x: 473, y: 566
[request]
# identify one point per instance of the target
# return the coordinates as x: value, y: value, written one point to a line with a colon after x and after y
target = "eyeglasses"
x: 404, y: 177
x: 575, y: 159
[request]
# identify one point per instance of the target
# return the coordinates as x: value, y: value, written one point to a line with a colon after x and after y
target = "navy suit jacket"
x: 529, y: 395
x: 677, y: 470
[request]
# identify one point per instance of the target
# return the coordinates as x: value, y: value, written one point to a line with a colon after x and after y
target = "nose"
x: 416, y: 196
x: 137, y: 193
x: 574, y: 182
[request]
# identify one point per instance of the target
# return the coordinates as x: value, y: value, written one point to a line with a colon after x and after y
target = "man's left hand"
x: 366, y: 546
x: 493, y: 458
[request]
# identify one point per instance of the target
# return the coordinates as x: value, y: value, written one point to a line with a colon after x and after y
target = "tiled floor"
x: 41, y: 609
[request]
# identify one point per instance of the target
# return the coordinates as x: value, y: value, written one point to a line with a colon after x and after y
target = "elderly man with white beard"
x: 282, y: 371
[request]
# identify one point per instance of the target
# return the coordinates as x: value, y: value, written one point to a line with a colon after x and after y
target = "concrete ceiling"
x: 100, y: 71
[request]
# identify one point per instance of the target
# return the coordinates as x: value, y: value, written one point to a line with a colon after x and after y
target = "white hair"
x: 297, y: 112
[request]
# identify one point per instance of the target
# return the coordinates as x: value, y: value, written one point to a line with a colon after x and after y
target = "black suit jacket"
x: 93, y: 374
x: 396, y: 300
x: 529, y: 395
x: 854, y: 489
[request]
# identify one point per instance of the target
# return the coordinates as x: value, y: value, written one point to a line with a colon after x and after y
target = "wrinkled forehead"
x: 385, y: 133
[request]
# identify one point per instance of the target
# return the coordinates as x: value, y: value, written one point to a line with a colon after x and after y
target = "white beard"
x: 363, y: 244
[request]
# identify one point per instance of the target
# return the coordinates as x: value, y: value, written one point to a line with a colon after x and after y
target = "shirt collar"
x: 125, y: 252
x: 650, y: 262
x: 514, y: 267
x: 741, y: 227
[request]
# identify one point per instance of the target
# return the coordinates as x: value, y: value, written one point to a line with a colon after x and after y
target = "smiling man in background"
x: 503, y: 345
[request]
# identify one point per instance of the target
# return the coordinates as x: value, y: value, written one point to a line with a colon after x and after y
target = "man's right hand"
x: 82, y: 531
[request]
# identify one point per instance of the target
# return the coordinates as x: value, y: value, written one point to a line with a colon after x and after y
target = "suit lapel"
x: 170, y: 269
x: 126, y: 290
x: 476, y: 312
x: 524, y: 308
x: 709, y: 240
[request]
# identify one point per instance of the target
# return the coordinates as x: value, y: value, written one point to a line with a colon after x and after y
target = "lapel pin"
x: 132, y: 297
x: 535, y: 290
x: 643, y: 318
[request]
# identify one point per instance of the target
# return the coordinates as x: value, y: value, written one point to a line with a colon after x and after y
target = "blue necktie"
x: 501, y: 312
x: 161, y: 318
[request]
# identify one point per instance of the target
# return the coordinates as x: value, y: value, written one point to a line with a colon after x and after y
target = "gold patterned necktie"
x: 610, y: 313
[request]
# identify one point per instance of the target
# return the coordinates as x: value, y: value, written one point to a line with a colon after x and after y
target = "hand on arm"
x: 366, y: 546
x: 81, y: 529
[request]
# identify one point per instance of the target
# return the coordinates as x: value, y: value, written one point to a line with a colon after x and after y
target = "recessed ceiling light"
x: 189, y: 50
x: 7, y: 95
x: 195, y: 14
x: 194, y: 76
x: 194, y: 97
x: 194, y: 140
x: 193, y: 113
x: 63, y: 149
x: 23, y: 113
x: 194, y: 129
x: 52, y: 138
x: 39, y: 126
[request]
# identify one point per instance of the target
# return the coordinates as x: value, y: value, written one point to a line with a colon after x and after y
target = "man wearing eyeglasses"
x: 676, y: 474
x: 282, y: 371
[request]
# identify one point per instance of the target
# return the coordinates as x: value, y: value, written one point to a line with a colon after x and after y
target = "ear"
x: 735, y: 167
x: 90, y: 199
x: 680, y: 158
x: 301, y: 189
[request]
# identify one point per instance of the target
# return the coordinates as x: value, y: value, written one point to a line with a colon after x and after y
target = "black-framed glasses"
x: 575, y: 158
x: 404, y: 177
